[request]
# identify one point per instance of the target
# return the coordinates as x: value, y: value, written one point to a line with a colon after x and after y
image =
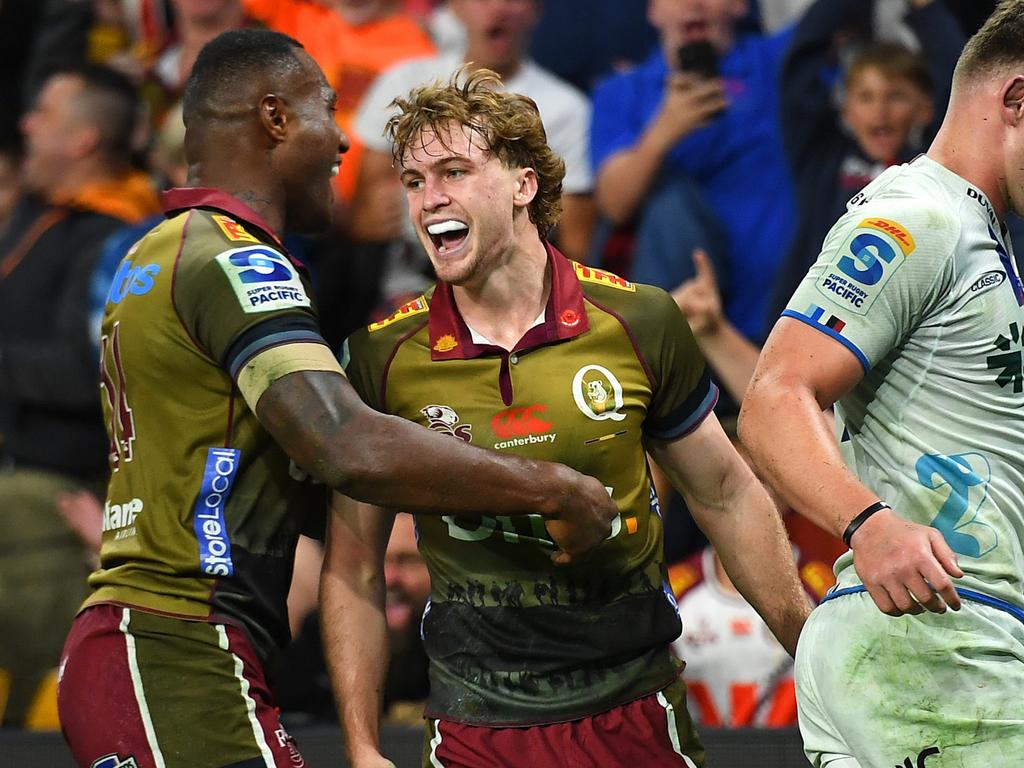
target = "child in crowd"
x: 890, y: 97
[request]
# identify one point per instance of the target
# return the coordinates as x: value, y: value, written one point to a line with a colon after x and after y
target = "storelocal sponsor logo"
x: 211, y: 530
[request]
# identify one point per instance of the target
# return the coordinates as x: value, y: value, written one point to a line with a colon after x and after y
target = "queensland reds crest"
x: 598, y: 393
x: 443, y: 418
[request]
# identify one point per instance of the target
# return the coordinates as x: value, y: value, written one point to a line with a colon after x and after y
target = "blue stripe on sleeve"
x: 861, y: 357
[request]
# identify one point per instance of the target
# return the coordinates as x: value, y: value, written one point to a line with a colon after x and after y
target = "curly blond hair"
x: 509, y: 125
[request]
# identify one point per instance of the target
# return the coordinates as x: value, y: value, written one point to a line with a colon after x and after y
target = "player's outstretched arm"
x: 353, y: 623
x: 906, y: 567
x: 740, y: 520
x: 319, y: 420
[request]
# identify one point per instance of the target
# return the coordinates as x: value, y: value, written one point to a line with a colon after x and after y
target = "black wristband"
x: 860, y: 519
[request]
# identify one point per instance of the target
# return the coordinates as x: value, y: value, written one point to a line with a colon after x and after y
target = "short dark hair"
x: 227, y: 62
x: 892, y: 60
x: 111, y: 102
x: 996, y: 44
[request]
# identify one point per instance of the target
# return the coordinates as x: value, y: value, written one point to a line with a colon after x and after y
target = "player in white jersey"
x: 911, y: 322
x: 737, y: 674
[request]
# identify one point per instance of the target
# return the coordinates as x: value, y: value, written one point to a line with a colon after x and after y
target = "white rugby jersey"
x: 918, y: 281
x: 737, y: 674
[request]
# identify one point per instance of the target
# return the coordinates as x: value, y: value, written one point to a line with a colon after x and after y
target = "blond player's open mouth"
x: 449, y: 235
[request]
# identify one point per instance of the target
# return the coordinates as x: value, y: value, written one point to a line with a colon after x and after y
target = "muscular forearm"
x: 748, y: 535
x: 321, y: 423
x: 354, y: 629
x: 625, y: 178
x: 356, y: 647
x: 789, y: 438
x: 737, y: 515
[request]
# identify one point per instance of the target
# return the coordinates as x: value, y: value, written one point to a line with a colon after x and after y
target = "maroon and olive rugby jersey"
x: 203, y: 508
x: 513, y: 639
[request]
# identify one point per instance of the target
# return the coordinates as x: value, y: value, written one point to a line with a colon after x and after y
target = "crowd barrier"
x: 321, y: 746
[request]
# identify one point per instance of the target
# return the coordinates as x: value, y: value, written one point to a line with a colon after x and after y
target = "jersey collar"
x: 564, y: 318
x: 182, y: 198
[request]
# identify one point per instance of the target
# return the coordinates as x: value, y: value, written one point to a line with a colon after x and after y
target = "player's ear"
x: 273, y: 116
x: 1013, y: 100
x: 527, y: 186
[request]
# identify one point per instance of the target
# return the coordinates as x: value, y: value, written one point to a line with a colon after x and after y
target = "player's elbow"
x: 353, y: 471
x: 760, y: 409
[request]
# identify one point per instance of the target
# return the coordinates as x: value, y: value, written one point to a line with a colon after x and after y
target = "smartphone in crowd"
x: 700, y: 58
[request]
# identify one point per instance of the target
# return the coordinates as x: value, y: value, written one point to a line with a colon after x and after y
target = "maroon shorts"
x: 653, y: 731
x: 147, y: 691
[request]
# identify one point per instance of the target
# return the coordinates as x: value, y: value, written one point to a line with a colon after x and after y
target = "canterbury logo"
x: 520, y: 422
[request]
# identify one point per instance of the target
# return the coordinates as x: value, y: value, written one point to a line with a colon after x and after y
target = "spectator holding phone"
x: 687, y: 148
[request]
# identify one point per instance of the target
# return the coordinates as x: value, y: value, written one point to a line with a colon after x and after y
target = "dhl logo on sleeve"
x: 232, y: 230
x: 415, y: 307
x: 896, y: 231
x: 591, y: 275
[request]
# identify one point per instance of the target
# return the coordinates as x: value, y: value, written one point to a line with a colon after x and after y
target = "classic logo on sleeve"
x: 263, y: 279
x: 865, y: 263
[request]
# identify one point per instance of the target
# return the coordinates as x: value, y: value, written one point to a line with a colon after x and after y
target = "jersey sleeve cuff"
x: 815, y: 321
x: 688, y: 416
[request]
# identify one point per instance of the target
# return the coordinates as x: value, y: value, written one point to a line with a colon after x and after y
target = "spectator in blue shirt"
x: 695, y: 162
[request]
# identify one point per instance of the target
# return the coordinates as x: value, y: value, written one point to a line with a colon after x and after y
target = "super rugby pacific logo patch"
x: 263, y: 279
x: 865, y: 262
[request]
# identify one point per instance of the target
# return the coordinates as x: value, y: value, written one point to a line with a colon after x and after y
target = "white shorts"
x: 926, y: 691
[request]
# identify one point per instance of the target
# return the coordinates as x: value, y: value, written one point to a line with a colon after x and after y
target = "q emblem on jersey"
x: 865, y: 263
x: 598, y: 394
x: 263, y: 279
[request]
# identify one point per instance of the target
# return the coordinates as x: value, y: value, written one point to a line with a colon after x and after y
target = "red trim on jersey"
x: 383, y: 394
x: 174, y: 285
x: 636, y: 345
x: 182, y: 198
x: 564, y: 318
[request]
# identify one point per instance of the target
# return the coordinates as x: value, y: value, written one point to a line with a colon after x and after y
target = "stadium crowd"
x: 709, y: 146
